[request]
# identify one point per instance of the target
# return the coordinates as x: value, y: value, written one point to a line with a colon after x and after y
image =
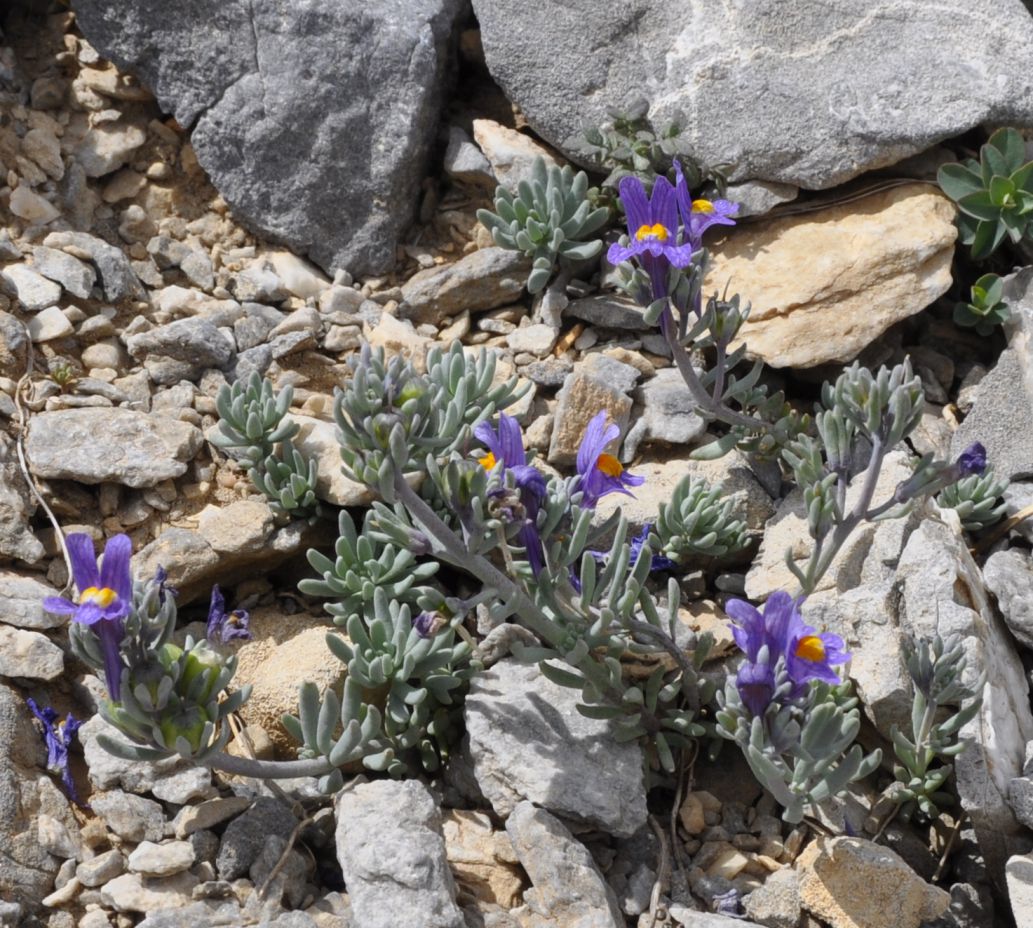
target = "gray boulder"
x: 807, y: 93
x: 181, y: 350
x: 528, y: 741
x: 569, y: 888
x: 313, y: 120
x: 392, y: 853
x: 105, y: 445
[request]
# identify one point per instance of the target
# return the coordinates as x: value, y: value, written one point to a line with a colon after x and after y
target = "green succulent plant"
x: 549, y: 219
x: 288, y: 480
x: 994, y: 194
x: 976, y: 499
x: 699, y: 519
x: 251, y: 418
x: 985, y: 311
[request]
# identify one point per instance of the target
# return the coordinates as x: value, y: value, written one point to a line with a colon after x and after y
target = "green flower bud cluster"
x: 548, y: 220
x: 174, y: 700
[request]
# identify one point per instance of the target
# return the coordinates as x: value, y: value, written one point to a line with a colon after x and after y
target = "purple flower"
x: 699, y: 215
x: 652, y: 232
x: 105, y: 597
x: 972, y: 460
x: 161, y: 576
x: 507, y: 445
x: 810, y: 654
x: 226, y: 626
x: 659, y: 561
x: 428, y: 624
x: 756, y: 685
x: 601, y: 473
x: 753, y: 629
x: 59, y: 737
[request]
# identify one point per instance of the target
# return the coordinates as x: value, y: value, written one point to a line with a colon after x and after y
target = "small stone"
x: 31, y: 288
x: 537, y: 339
x: 204, y: 815
x: 181, y: 350
x: 125, y: 185
x: 608, y: 311
x: 464, y: 161
x: 108, y: 354
x: 1009, y: 576
x: 301, y: 278
x: 100, y: 869
x: 245, y: 836
x: 392, y: 854
x: 347, y: 338
x: 152, y: 859
x: 28, y: 205
x: 528, y: 741
x: 568, y: 888
x: 132, y: 818
x: 241, y: 527
x: 511, y: 154
x: 481, y: 858
x: 690, y: 814
x: 74, y: 275
x: 117, y: 277
x: 132, y: 892
x: 106, y: 147
x: 43, y: 147
x: 485, y: 279
x: 55, y: 838
x: 49, y: 324
x: 23, y: 597
x: 29, y: 655
x: 582, y: 397
x: 776, y: 904
x: 668, y: 413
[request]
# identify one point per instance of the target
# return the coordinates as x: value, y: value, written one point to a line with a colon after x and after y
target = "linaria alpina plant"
x: 464, y: 518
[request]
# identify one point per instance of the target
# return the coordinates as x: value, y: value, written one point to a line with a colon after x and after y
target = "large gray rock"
x: 392, y: 854
x: 528, y: 741
x: 21, y: 602
x: 666, y: 413
x: 1009, y: 576
x: 889, y: 79
x: 942, y: 592
x: 569, y: 888
x: 104, y: 445
x: 1002, y: 414
x: 313, y: 120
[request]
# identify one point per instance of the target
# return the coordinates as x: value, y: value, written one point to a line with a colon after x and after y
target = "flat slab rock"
x: 392, y: 853
x: 105, y: 445
x: 313, y: 120
x: 824, y: 285
x: 745, y: 79
x: 528, y: 741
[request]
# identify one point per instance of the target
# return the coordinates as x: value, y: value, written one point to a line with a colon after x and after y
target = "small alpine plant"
x: 468, y: 531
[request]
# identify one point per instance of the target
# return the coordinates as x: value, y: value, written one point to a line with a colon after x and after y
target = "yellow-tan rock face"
x: 853, y: 883
x: 823, y: 285
x: 285, y: 651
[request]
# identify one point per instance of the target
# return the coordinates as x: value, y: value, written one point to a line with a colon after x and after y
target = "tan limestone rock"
x: 482, y: 859
x: 825, y: 284
x: 853, y: 883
